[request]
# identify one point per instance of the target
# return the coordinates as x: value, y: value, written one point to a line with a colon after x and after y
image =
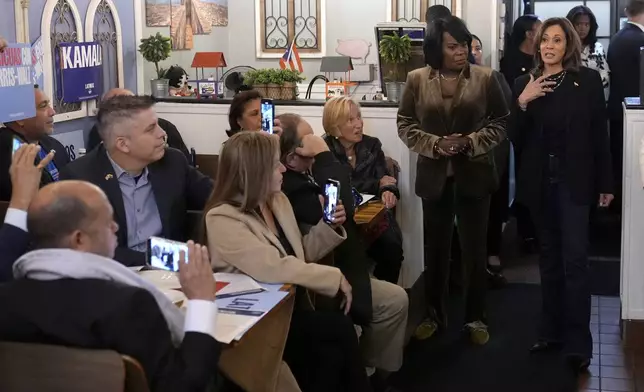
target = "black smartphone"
x: 331, y: 195
x: 267, y: 111
x: 17, y: 143
x: 164, y: 254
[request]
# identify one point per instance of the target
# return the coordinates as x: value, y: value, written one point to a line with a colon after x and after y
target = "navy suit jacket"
x: 14, y: 242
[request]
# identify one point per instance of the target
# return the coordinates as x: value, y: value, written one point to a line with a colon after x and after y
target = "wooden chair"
x: 26, y: 367
x: 193, y: 225
x: 207, y: 164
x: 4, y: 205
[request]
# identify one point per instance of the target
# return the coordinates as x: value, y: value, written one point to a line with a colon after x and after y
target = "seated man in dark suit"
x: 151, y: 187
x: 32, y: 130
x: 174, y: 138
x: 25, y: 177
x: 70, y: 292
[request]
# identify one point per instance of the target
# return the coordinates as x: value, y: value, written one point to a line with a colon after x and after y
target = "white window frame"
x: 48, y: 60
x: 259, y: 47
x: 21, y: 11
x: 89, y: 33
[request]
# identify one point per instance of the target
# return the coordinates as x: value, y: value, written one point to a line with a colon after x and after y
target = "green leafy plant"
x: 155, y: 49
x: 272, y: 76
x: 395, y: 50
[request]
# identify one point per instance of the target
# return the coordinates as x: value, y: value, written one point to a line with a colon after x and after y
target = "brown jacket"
x: 479, y: 110
x: 242, y: 242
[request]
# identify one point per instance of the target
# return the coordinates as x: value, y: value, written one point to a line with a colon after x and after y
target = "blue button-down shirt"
x: 141, y: 211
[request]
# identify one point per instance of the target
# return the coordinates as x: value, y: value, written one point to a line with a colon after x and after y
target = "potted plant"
x: 155, y: 49
x: 289, y: 88
x: 395, y: 50
x: 274, y: 83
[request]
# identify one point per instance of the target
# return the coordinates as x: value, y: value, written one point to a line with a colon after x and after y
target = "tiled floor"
x: 613, y: 369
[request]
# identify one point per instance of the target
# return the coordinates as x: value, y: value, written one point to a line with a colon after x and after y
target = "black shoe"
x: 380, y: 383
x: 543, y: 346
x: 495, y: 280
x: 530, y: 246
x: 578, y: 363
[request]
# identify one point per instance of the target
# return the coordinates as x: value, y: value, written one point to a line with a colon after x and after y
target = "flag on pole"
x: 291, y: 58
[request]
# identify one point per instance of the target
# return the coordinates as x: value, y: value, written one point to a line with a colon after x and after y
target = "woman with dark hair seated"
x: 245, y: 113
x: 453, y: 115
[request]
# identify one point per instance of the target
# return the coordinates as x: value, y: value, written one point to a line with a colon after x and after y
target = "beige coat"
x: 243, y: 242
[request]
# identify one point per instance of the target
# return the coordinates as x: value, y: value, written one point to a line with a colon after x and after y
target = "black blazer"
x: 177, y: 187
x: 350, y: 256
x: 100, y: 314
x: 624, y: 62
x: 587, y: 156
x: 14, y: 242
x: 371, y: 164
x: 6, y: 144
x: 174, y: 138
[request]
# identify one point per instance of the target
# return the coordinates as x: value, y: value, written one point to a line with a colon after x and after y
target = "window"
x: 102, y: 25
x: 414, y: 10
x: 61, y: 23
x: 279, y: 22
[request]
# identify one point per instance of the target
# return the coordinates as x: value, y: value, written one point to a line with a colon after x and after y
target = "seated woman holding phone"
x: 249, y: 111
x: 250, y: 227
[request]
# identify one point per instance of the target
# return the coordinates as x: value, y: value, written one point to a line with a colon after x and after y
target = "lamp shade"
x: 208, y: 60
x: 336, y: 64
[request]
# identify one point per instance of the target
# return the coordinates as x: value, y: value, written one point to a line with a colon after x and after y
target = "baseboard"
x: 417, y: 306
x: 633, y: 335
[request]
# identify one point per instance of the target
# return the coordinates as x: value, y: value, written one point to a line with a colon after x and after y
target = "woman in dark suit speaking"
x: 559, y: 127
x: 453, y: 115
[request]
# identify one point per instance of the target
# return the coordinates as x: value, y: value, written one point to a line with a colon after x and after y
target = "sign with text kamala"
x: 16, y: 87
x: 78, y: 70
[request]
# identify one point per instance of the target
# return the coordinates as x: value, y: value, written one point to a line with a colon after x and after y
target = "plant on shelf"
x: 155, y: 49
x: 274, y: 83
x: 396, y: 51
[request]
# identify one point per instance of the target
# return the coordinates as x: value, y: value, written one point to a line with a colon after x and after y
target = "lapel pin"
x: 576, y: 84
x: 522, y: 69
x: 109, y: 177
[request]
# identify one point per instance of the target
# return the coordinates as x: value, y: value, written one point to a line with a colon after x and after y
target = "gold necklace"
x: 448, y: 79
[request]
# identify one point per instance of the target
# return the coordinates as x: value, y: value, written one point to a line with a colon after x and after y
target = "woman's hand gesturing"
x: 536, y: 88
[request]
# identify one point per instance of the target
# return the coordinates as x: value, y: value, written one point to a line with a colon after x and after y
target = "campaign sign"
x: 73, y: 141
x: 16, y: 86
x: 78, y: 70
x: 37, y: 57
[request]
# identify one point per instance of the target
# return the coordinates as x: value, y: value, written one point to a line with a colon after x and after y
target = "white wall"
x: 356, y: 20
x: 481, y: 17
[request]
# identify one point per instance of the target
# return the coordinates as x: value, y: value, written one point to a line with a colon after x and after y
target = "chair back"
x: 193, y: 225
x: 26, y: 367
x: 207, y: 164
x: 4, y: 205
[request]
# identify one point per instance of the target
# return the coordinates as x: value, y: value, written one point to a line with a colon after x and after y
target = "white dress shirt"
x: 637, y: 24
x: 17, y: 218
x: 201, y: 315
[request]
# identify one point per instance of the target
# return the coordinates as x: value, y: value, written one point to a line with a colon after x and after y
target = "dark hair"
x: 475, y: 37
x: 119, y: 107
x: 237, y: 107
x: 582, y: 10
x: 521, y: 26
x: 635, y: 7
x: 437, y: 12
x: 51, y: 223
x: 289, y: 139
x: 572, y: 58
x: 174, y: 75
x: 433, y: 43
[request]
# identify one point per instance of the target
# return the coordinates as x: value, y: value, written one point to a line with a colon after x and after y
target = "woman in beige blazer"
x: 251, y: 228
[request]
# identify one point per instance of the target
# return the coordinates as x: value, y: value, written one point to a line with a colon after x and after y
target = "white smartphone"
x: 268, y: 115
x: 331, y: 195
x: 164, y: 254
x: 17, y: 143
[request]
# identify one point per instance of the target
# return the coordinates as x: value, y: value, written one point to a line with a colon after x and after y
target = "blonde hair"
x: 245, y: 171
x: 337, y: 112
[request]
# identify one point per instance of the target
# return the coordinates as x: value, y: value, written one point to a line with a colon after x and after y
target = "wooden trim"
x: 394, y: 10
x: 424, y: 4
x: 454, y: 6
x: 290, y: 16
x: 318, y: 25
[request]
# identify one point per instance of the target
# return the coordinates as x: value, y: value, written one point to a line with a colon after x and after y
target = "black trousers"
x: 438, y: 219
x: 563, y: 235
x: 498, y: 216
x: 323, y: 353
x: 387, y: 252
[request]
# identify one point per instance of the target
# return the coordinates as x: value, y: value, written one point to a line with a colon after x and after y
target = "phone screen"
x: 268, y: 115
x: 16, y: 145
x: 331, y: 192
x: 164, y: 254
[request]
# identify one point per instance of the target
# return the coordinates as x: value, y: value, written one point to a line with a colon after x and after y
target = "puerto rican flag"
x: 291, y: 58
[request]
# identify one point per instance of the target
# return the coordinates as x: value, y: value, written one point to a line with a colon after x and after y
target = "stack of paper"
x: 239, y: 314
x: 230, y: 285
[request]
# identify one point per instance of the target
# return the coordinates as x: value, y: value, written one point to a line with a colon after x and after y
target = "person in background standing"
x: 592, y: 53
x: 517, y: 61
x: 624, y: 62
x: 477, y: 50
x: 559, y: 124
